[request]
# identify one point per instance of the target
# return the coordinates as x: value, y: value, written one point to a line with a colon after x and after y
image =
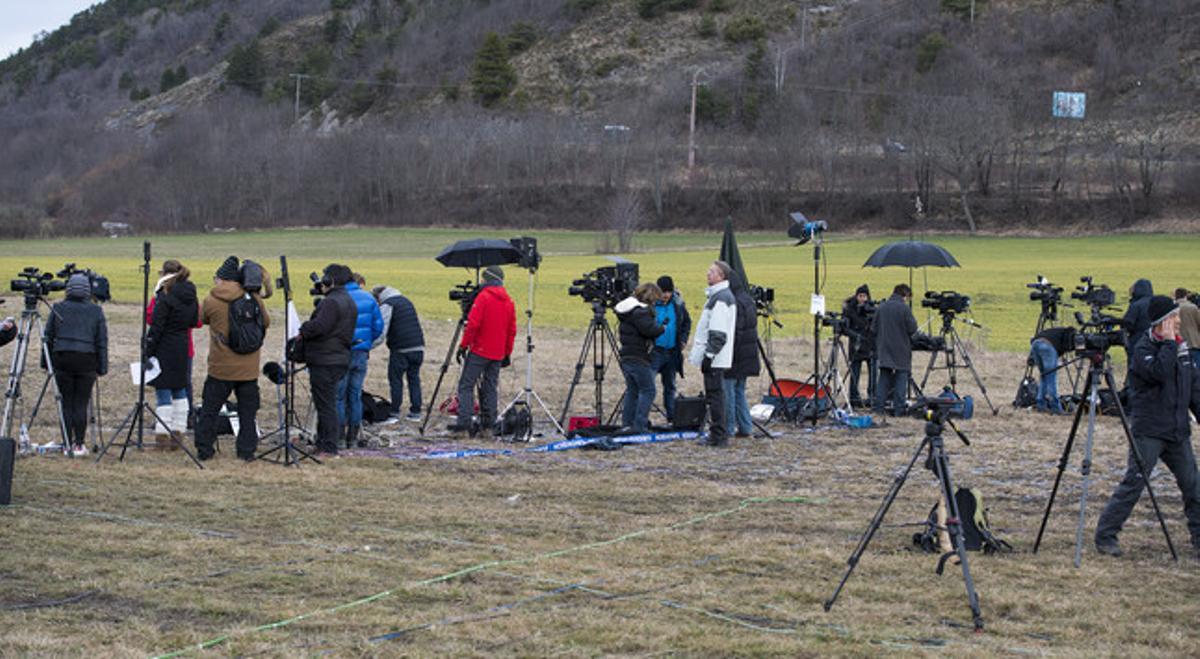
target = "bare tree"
x: 626, y: 215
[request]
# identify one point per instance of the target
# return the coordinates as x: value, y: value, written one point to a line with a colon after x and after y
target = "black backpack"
x: 246, y: 328
x: 517, y: 422
x: 977, y: 532
x: 376, y: 409
x: 1027, y: 393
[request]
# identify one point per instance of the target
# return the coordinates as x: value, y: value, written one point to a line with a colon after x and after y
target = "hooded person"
x: 76, y: 336
x: 1165, y: 389
x: 230, y: 372
x: 406, y: 350
x: 328, y: 337
x: 174, y: 311
x: 486, y: 347
x: 638, y: 329
x: 745, y: 362
x: 1137, y: 317
x: 666, y: 359
x: 712, y: 348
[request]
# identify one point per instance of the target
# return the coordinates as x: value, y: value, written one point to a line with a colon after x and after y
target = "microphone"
x: 274, y: 372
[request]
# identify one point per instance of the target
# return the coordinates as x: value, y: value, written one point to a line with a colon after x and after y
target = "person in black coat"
x: 77, y: 338
x: 859, y: 311
x: 1165, y: 389
x: 894, y: 328
x: 174, y: 312
x: 745, y: 360
x: 638, y: 330
x: 327, y: 337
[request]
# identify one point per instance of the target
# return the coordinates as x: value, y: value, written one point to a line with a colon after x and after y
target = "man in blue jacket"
x: 368, y: 326
x: 1165, y: 388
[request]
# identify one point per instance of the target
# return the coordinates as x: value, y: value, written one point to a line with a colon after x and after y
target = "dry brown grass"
x: 167, y: 556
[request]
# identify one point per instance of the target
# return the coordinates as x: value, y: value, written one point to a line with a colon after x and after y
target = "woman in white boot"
x: 173, y: 313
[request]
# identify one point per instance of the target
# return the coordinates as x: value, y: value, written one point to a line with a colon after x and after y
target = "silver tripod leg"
x: 529, y: 392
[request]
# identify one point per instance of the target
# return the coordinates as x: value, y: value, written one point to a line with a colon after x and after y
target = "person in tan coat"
x: 231, y: 368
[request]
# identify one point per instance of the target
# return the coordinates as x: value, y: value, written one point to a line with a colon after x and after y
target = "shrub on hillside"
x: 656, y: 8
x: 746, y: 27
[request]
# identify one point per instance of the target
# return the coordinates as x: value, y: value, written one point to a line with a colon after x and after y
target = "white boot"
x: 162, y: 438
x: 179, y: 415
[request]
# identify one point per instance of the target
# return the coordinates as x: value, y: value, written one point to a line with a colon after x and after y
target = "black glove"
x: 506, y: 362
x: 706, y: 365
x: 461, y: 354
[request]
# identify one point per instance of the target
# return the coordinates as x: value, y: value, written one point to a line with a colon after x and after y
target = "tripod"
x: 953, y: 348
x: 458, y: 329
x: 137, y: 416
x: 833, y: 373
x: 938, y: 462
x: 31, y: 321
x: 1100, y: 368
x: 289, y: 453
x: 528, y: 395
x: 597, y: 335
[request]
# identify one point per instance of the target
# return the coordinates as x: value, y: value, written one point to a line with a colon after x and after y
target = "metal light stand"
x: 954, y: 348
x: 31, y: 321
x: 833, y: 374
x: 1100, y: 368
x: 529, y: 394
x: 939, y: 463
x: 598, y: 333
x: 289, y: 453
x: 136, y: 416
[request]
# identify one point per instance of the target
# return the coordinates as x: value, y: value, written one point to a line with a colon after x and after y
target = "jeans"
x: 324, y: 380
x: 737, y: 410
x: 639, y: 395
x: 714, y: 398
x: 1180, y: 459
x: 486, y: 373
x: 1046, y: 358
x: 892, y: 383
x: 404, y: 366
x: 215, y: 393
x: 664, y: 362
x: 349, y: 390
x: 75, y: 375
x: 164, y: 396
x: 856, y: 375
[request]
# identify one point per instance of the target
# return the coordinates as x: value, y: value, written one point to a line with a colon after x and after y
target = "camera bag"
x: 689, y: 412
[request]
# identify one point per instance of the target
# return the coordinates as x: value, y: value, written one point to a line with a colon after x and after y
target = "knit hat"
x: 493, y: 273
x: 666, y: 284
x: 1161, y: 308
x: 79, y: 287
x: 229, y: 269
x: 863, y: 289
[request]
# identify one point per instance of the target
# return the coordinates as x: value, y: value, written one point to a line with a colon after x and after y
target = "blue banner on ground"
x: 568, y: 444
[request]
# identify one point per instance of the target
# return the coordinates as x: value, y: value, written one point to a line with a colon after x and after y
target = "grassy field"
x: 667, y: 549
x: 993, y: 273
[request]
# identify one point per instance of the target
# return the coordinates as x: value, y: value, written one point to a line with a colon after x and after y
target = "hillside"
x: 426, y: 111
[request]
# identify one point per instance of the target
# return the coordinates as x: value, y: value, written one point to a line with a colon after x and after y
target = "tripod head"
x: 941, y: 410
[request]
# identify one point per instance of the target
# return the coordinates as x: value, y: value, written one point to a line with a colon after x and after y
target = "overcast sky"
x: 21, y: 19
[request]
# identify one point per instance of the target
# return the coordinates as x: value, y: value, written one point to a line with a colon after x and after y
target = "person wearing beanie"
x: 1164, y: 387
x: 327, y: 337
x: 230, y: 372
x: 172, y: 314
x: 486, y: 347
x: 859, y: 310
x: 666, y: 360
x: 368, y: 327
x: 77, y: 337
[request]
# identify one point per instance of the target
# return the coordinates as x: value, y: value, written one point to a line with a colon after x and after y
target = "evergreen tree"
x: 245, y: 67
x: 492, y: 77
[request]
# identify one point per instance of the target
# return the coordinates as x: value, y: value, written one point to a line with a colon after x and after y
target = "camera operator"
x: 328, y: 336
x: 858, y: 311
x: 489, y: 335
x: 230, y: 372
x: 406, y: 350
x: 1044, y: 350
x: 638, y: 329
x: 745, y: 360
x: 667, y: 357
x: 77, y: 338
x: 1189, y: 322
x: 712, y: 349
x: 1165, y: 387
x: 172, y: 314
x: 368, y: 327
x: 894, y: 328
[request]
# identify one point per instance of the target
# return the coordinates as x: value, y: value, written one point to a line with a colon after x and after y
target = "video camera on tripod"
x: 464, y: 295
x: 1045, y: 292
x: 1097, y: 335
x: 607, y: 285
x: 946, y: 405
x: 97, y: 281
x: 36, y: 284
x: 1096, y: 296
x: 946, y: 303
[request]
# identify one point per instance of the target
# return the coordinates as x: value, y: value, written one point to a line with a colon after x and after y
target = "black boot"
x: 353, y: 437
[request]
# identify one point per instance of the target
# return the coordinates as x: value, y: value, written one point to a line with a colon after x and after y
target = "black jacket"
x: 1164, y: 389
x: 862, y: 342
x: 1137, y: 316
x: 745, y: 335
x: 639, y: 327
x: 329, y: 333
x: 894, y: 327
x: 77, y: 325
x: 400, y: 317
x: 175, y: 314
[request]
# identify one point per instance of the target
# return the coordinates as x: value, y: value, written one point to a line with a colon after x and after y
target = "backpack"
x: 1027, y: 393
x: 376, y: 409
x: 518, y: 422
x: 246, y: 330
x: 977, y: 532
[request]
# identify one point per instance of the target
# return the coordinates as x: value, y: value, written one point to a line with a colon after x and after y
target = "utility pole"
x: 296, y: 107
x: 972, y: 13
x: 803, y: 25
x: 692, y: 123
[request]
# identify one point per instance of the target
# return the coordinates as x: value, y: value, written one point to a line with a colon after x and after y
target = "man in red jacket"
x: 486, y: 346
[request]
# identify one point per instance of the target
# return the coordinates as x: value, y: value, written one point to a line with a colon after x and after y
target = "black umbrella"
x: 478, y: 253
x: 911, y: 254
x: 729, y: 251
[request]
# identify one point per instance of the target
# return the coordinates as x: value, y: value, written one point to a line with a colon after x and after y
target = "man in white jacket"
x: 712, y: 348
